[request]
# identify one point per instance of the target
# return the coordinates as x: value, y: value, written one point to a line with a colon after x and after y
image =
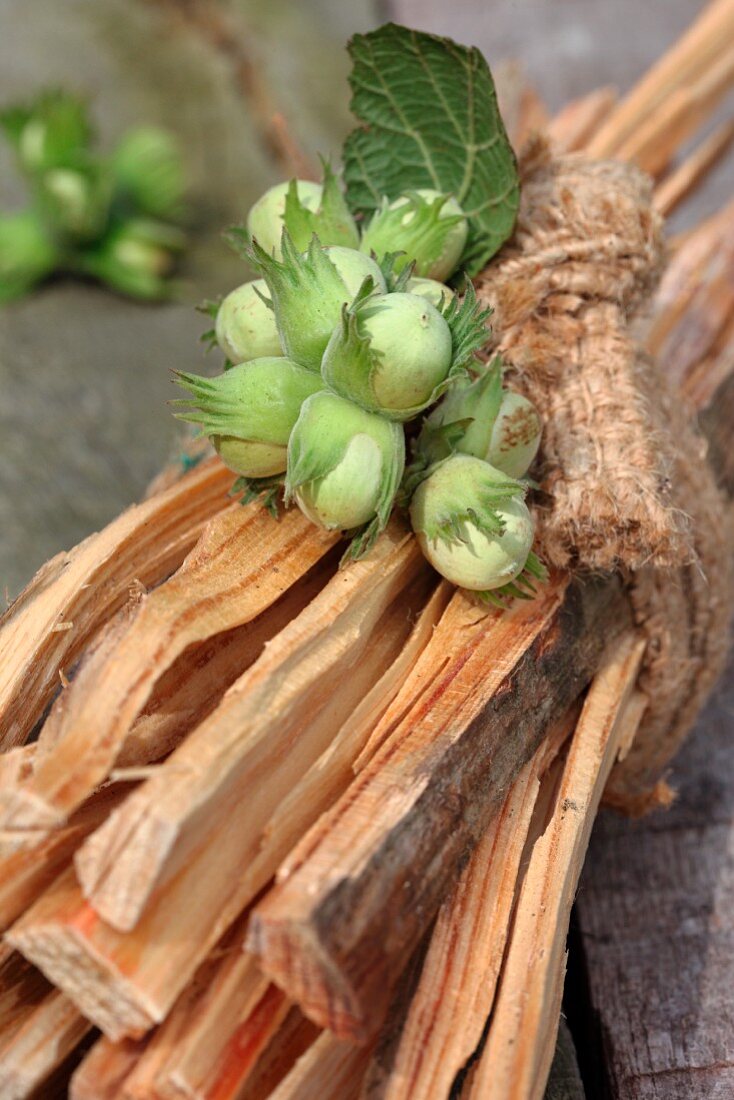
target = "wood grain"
x: 383, y: 857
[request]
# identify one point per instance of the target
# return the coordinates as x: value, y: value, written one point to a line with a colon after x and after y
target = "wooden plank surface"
x: 656, y: 915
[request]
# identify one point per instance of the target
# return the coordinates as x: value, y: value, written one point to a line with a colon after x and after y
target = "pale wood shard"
x: 456, y: 989
x: 210, y: 1042
x: 693, y: 265
x: 694, y: 54
x: 460, y: 623
x: 332, y: 773
x: 654, y: 142
x: 218, y: 1052
x: 521, y: 1040
x: 243, y: 563
x: 576, y: 123
x: 48, y: 1033
x: 275, y: 722
x: 102, y: 1073
x: 329, y: 1070
x: 88, y: 584
x: 126, y: 983
x: 674, y: 188
x: 25, y: 872
x: 368, y: 879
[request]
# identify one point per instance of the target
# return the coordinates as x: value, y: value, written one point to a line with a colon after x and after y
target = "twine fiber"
x: 624, y: 480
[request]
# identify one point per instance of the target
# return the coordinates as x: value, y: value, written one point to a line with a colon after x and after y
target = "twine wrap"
x: 625, y: 482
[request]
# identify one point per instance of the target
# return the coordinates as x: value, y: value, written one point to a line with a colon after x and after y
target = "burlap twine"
x: 624, y: 474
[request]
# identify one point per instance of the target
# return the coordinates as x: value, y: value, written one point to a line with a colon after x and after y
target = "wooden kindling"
x: 244, y: 562
x: 86, y: 586
x: 522, y: 1035
x: 251, y: 751
x: 432, y: 787
x: 363, y: 885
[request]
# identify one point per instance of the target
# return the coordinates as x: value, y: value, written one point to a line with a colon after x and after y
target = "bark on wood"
x: 371, y: 875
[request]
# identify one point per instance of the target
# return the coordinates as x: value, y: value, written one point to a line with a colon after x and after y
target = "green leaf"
x: 429, y: 116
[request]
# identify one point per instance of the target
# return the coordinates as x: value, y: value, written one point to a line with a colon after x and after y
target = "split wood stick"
x: 48, y: 1033
x: 654, y: 142
x: 196, y: 1052
x: 676, y: 186
x: 272, y: 725
x: 519, y: 1047
x: 334, y: 770
x: 693, y: 266
x: 293, y: 1038
x: 210, y: 1041
x: 25, y: 873
x: 243, y: 563
x: 330, y: 1070
x: 217, y: 1053
x: 182, y: 697
x: 369, y: 877
x: 102, y: 1073
x: 85, y: 587
x: 578, y: 121
x: 683, y: 340
x: 21, y: 986
x: 461, y: 623
x: 127, y: 982
x: 698, y: 49
x: 457, y: 984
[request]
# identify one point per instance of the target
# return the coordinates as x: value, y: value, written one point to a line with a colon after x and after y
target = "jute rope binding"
x: 624, y: 480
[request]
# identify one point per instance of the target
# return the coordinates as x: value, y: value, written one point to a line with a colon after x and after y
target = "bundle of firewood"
x: 294, y: 831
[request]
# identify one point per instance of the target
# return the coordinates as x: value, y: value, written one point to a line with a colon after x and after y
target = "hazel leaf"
x: 428, y: 116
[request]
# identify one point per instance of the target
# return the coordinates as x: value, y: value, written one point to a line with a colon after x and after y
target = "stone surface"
x: 85, y: 373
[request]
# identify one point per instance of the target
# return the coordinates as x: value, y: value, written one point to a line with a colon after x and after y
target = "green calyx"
x: 148, y: 170
x: 397, y: 354
x: 257, y: 401
x: 135, y: 257
x: 109, y: 217
x: 390, y: 354
x: 308, y: 290
x: 464, y: 419
x: 428, y: 228
x: 76, y: 200
x: 331, y: 222
x: 472, y: 523
x: 49, y: 132
x: 27, y: 253
x: 478, y: 417
x: 344, y: 467
x: 464, y: 491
